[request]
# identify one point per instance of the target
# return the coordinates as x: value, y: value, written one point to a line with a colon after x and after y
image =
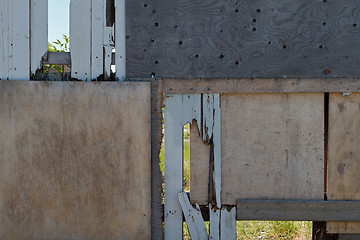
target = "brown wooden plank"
x: 298, y: 210
x: 260, y: 85
x: 343, y: 164
x: 75, y: 160
x: 199, y: 167
x: 272, y: 146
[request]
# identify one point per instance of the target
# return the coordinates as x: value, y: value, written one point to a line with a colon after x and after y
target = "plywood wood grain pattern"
x: 199, y: 167
x: 75, y: 160
x: 343, y: 160
x: 270, y: 38
x: 272, y: 146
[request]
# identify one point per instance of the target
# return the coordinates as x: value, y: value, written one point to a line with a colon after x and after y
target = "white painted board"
x: 4, y: 39
x: 173, y: 167
x: 120, y: 44
x: 97, y: 36
x: 80, y: 35
x: 228, y: 223
x: 39, y: 33
x: 194, y: 219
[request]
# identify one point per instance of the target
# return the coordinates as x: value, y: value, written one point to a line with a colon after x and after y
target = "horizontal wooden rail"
x: 298, y: 210
x: 260, y: 85
x: 63, y: 58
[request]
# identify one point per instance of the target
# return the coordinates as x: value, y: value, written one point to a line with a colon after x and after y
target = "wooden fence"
x: 271, y: 90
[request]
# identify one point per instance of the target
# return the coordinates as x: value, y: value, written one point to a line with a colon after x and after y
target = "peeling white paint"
x: 214, y: 223
x: 228, y: 223
x: 194, y: 219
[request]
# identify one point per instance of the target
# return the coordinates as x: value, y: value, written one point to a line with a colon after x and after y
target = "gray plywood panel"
x: 75, y: 160
x: 249, y: 38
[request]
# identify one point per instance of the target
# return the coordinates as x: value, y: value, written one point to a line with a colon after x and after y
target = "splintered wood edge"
x: 260, y: 85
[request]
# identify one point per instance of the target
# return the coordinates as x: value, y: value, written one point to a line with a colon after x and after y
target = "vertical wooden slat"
x: 173, y: 166
x: 120, y: 45
x: 80, y: 35
x: 343, y: 155
x: 214, y: 223
x: 97, y: 36
x: 4, y: 39
x: 217, y: 149
x: 228, y: 223
x: 39, y: 33
x: 20, y: 40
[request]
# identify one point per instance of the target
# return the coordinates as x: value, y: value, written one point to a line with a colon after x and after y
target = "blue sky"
x: 58, y: 19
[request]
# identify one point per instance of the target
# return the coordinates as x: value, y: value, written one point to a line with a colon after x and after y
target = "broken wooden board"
x: 272, y: 146
x: 343, y: 160
x: 199, y: 165
x: 75, y: 160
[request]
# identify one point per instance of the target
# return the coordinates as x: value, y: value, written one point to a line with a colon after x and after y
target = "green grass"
x: 247, y: 230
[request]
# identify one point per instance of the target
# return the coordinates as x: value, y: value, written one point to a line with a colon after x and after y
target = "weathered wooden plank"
x: 228, y: 223
x: 214, y: 229
x: 343, y: 164
x: 64, y: 173
x: 194, y: 220
x: 39, y: 33
x: 298, y: 210
x: 190, y: 39
x: 4, y: 39
x: 261, y: 85
x: 80, y: 35
x: 273, y: 144
x: 97, y: 38
x: 20, y: 40
x: 120, y: 44
x: 199, y: 167
x: 173, y: 169
x: 157, y: 211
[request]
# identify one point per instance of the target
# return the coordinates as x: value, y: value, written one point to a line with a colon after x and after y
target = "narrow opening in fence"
x: 186, y: 157
x: 58, y: 25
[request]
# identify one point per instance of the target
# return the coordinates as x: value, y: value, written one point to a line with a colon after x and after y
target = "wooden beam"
x: 260, y: 85
x: 298, y: 210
